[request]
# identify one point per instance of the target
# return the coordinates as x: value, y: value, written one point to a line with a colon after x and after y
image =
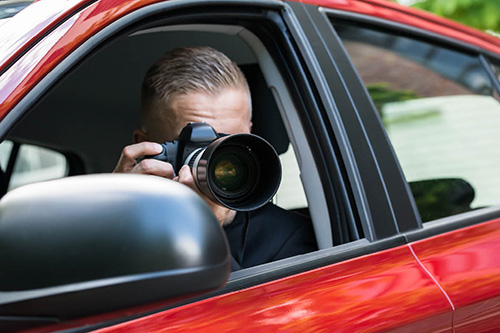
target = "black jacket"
x: 267, y: 234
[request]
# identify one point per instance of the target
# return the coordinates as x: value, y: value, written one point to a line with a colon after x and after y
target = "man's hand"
x: 149, y: 166
x: 223, y: 214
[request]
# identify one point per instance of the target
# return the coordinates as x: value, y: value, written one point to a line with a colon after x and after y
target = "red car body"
x: 448, y: 282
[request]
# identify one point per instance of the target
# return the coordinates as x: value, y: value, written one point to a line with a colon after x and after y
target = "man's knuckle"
x: 147, y: 165
x: 127, y: 152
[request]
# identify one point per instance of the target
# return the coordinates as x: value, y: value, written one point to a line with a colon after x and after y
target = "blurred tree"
x: 480, y: 14
x: 382, y: 94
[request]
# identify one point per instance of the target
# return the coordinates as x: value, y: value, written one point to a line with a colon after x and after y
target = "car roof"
x: 42, y: 15
x: 392, y: 11
x: 31, y: 24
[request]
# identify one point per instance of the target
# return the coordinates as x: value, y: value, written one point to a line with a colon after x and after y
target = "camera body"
x: 239, y: 171
x: 194, y: 136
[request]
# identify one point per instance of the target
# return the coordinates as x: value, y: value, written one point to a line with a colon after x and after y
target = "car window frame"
x: 75, y: 57
x: 57, y: 74
x: 383, y: 190
x: 332, y: 194
x: 490, y: 61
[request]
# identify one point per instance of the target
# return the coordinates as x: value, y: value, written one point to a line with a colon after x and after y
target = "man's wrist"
x: 223, y: 214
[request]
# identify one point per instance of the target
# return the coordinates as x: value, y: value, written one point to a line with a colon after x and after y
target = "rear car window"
x: 441, y: 113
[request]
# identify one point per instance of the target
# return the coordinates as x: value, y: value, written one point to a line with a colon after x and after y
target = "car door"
x: 363, y: 277
x: 437, y: 100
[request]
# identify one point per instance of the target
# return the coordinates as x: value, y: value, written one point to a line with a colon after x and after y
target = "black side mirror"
x: 91, y: 244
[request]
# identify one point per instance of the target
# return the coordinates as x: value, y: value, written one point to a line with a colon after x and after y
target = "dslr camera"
x: 240, y: 171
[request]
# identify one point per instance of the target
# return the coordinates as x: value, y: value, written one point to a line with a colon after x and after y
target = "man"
x: 203, y: 85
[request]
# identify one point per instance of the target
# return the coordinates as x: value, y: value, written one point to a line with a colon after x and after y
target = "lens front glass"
x: 233, y: 172
x: 230, y: 172
x: 239, y: 171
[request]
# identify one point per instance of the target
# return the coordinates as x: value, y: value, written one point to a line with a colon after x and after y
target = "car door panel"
x: 380, y: 291
x: 462, y: 256
x: 466, y: 264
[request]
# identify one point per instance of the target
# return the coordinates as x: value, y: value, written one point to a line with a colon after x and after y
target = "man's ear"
x: 139, y: 136
x: 251, y: 124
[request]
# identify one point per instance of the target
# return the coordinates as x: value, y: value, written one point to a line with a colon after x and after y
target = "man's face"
x: 227, y: 112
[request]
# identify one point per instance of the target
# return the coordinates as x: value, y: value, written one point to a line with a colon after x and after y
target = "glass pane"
x: 439, y: 110
x: 5, y: 150
x: 290, y: 194
x: 34, y: 164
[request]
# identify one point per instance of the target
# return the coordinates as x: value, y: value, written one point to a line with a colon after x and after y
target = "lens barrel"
x: 241, y: 171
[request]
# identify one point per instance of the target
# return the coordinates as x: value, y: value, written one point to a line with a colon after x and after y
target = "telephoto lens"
x: 240, y: 171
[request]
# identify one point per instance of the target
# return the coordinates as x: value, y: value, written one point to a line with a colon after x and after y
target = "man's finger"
x: 131, y: 153
x: 186, y: 177
x: 154, y: 167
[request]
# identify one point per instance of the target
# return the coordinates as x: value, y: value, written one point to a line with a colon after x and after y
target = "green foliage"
x: 381, y: 94
x: 437, y: 198
x: 480, y: 14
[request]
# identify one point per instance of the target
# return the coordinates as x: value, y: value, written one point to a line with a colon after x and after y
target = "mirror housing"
x: 91, y: 244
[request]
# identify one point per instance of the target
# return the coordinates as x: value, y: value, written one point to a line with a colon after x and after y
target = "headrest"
x: 266, y: 118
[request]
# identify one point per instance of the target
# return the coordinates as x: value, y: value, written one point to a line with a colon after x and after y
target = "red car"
x: 385, y: 119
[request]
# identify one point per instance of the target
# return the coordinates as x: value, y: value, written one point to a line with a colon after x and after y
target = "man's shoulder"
x: 275, y: 215
x: 292, y: 232
x: 270, y: 233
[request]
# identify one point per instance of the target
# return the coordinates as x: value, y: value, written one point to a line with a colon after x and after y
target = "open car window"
x: 441, y: 113
x: 94, y: 110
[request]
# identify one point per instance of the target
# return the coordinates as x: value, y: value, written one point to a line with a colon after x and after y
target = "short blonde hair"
x: 188, y: 70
